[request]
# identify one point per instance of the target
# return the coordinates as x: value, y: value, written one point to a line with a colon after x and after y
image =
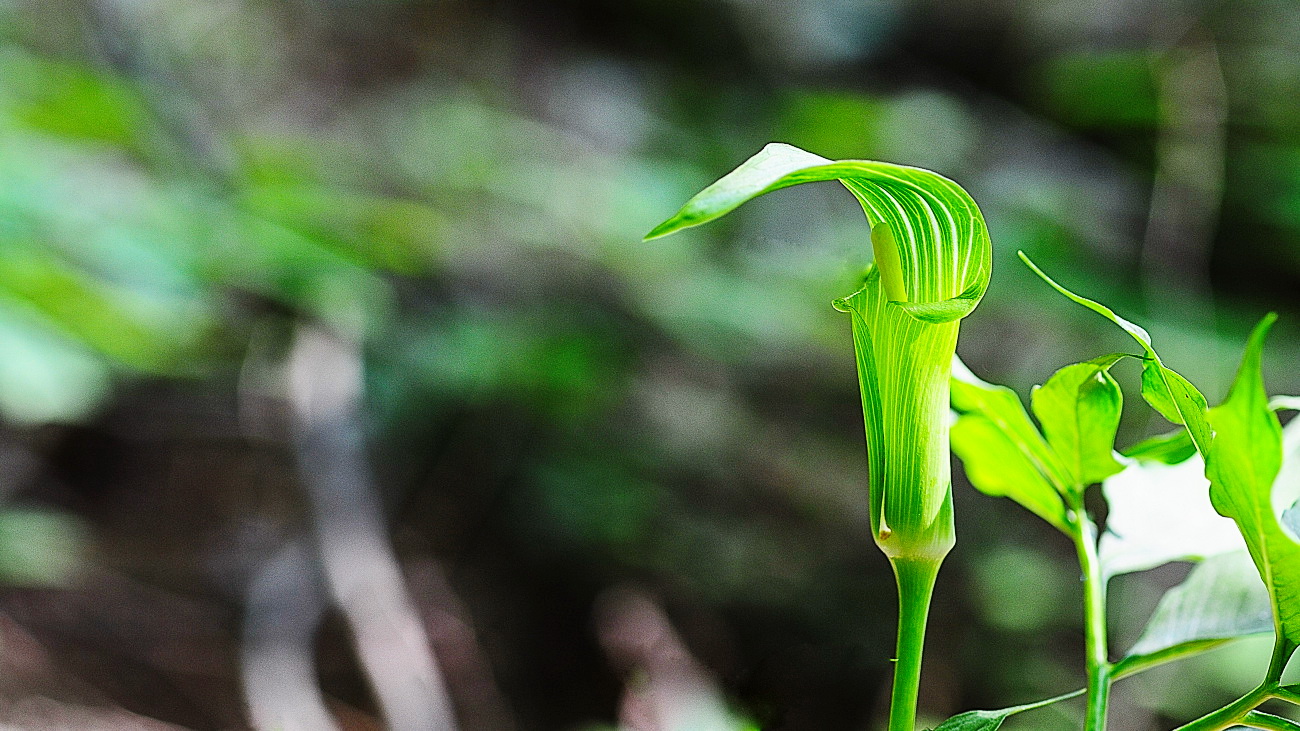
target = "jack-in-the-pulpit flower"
x: 932, y: 260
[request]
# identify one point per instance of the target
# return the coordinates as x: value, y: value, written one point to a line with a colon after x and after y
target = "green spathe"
x: 904, y: 365
x: 932, y: 263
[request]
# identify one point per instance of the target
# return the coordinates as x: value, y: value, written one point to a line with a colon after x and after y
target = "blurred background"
x: 338, y: 390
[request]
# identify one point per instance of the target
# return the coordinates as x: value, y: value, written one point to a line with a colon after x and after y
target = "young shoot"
x: 1160, y: 510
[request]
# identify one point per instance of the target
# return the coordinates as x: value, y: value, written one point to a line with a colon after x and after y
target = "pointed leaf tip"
x: 1263, y: 327
x: 660, y: 231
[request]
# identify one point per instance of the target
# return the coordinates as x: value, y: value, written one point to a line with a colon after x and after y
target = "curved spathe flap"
x: 947, y: 310
x: 943, y: 255
x: 933, y: 313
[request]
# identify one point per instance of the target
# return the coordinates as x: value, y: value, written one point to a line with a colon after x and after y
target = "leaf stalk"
x: 1231, y: 714
x: 1283, y: 649
x: 1288, y: 693
x: 1242, y: 710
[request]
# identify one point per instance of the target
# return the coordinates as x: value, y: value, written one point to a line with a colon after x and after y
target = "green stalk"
x: 1269, y: 722
x: 1094, y: 614
x: 1232, y: 713
x: 1288, y: 693
x: 1283, y: 649
x: 915, y: 579
x: 1239, y: 710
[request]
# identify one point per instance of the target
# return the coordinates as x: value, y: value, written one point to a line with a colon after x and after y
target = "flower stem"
x: 915, y: 579
x: 1094, y: 614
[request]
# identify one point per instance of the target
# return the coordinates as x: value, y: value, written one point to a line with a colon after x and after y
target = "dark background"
x: 270, y: 270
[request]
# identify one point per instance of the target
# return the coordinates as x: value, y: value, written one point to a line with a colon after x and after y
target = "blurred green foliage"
x: 555, y: 407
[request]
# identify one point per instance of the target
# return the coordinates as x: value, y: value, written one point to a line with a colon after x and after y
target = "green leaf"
x: 1167, y: 391
x: 1160, y: 513
x: 1079, y: 409
x: 1220, y: 600
x: 997, y: 466
x: 1159, y: 386
x: 1171, y: 448
x: 1241, y: 442
x: 1002, y: 451
x: 1243, y: 464
x: 1157, y: 393
x: 931, y: 267
x: 991, y: 720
